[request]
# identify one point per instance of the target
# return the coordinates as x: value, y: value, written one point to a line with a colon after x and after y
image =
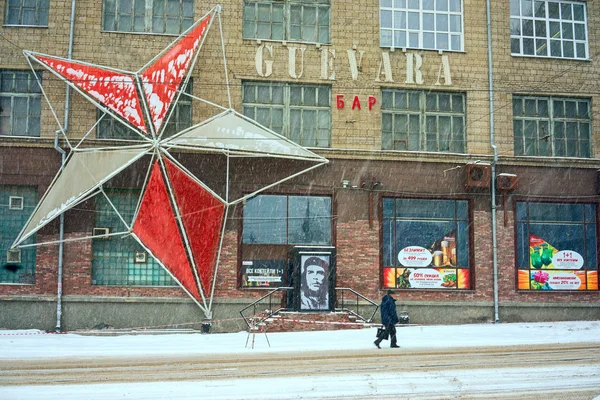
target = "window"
x: 301, y: 113
x: 425, y: 244
x: 556, y: 246
x: 27, y: 12
x: 423, y: 121
x: 552, y: 126
x: 543, y: 28
x: 293, y: 20
x: 181, y: 118
x: 422, y: 24
x: 114, y: 258
x: 18, y: 264
x: 20, y: 103
x: 152, y: 16
x: 272, y: 224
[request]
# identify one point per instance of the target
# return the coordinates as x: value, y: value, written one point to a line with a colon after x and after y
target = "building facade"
x: 471, y: 188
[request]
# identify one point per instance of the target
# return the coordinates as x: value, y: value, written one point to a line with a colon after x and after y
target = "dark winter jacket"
x: 388, y: 310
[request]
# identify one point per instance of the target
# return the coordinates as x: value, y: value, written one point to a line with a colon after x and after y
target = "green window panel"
x: 20, y: 103
x: 290, y: 20
x: 114, y: 259
x: 552, y: 126
x: 16, y: 205
x: 27, y: 12
x: 150, y: 16
x: 417, y: 120
x: 301, y: 113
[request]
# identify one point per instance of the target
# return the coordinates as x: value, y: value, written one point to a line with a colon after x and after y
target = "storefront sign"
x: 297, y: 56
x: 567, y: 259
x: 429, y: 278
x: 415, y: 256
x: 262, y: 273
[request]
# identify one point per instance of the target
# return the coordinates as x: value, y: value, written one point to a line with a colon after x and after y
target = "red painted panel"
x: 157, y: 228
x: 161, y: 79
x: 202, y: 216
x: 116, y: 91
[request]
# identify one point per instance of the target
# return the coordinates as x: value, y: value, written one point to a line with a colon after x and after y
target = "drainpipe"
x: 495, y: 160
x: 63, y: 158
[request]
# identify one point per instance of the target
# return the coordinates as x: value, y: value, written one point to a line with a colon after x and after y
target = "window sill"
x: 285, y: 42
x: 405, y: 49
x: 550, y: 57
x: 143, y: 33
x: 24, y: 26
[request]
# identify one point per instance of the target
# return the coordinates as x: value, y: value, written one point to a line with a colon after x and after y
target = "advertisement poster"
x: 542, y: 255
x: 441, y: 253
x: 558, y: 280
x: 314, y: 282
x: 262, y: 273
x: 426, y: 278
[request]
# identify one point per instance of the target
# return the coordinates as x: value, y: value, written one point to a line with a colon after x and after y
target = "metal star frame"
x: 179, y: 219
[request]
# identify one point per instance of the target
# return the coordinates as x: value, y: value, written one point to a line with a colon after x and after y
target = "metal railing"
x: 255, y: 317
x: 347, y: 300
x: 353, y: 305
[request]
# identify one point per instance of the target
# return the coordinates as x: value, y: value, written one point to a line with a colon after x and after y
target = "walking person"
x: 389, y: 318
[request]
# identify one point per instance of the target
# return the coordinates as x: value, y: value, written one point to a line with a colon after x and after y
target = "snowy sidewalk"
x: 33, y: 344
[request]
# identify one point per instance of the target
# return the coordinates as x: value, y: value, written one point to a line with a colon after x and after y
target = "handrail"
x: 254, y: 319
x: 341, y: 299
x: 270, y: 309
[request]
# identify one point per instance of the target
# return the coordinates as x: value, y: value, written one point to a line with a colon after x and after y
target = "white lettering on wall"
x: 387, y: 68
x: 414, y: 62
x: 268, y: 64
x: 292, y: 61
x: 327, y: 64
x: 444, y: 72
x: 355, y: 66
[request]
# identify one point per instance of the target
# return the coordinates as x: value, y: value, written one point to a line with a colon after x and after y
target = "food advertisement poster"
x: 441, y: 253
x: 558, y: 280
x: 542, y: 255
x: 426, y: 278
x: 262, y: 273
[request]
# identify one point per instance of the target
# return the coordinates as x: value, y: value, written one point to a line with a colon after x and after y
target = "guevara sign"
x: 331, y: 62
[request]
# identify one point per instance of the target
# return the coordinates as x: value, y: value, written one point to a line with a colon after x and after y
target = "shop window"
x: 272, y: 225
x: 121, y: 260
x: 150, y: 16
x: 543, y: 28
x: 20, y: 103
x: 289, y: 20
x: 17, y: 266
x: 556, y: 246
x: 301, y: 113
x: 421, y: 24
x: 552, y: 126
x: 180, y: 119
x: 418, y: 120
x: 27, y: 12
x: 425, y: 244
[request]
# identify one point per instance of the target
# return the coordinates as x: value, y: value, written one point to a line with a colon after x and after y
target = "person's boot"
x: 376, y: 344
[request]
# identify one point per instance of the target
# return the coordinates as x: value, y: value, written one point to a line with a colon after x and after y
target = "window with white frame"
x: 301, y: 113
x: 417, y: 120
x: 543, y: 28
x: 293, y: 20
x: 552, y: 126
x: 422, y: 24
x: 20, y: 103
x: 151, y: 16
x: 181, y: 118
x: 27, y: 12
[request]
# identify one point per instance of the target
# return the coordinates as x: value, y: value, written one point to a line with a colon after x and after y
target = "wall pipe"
x: 63, y: 155
x: 494, y: 161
